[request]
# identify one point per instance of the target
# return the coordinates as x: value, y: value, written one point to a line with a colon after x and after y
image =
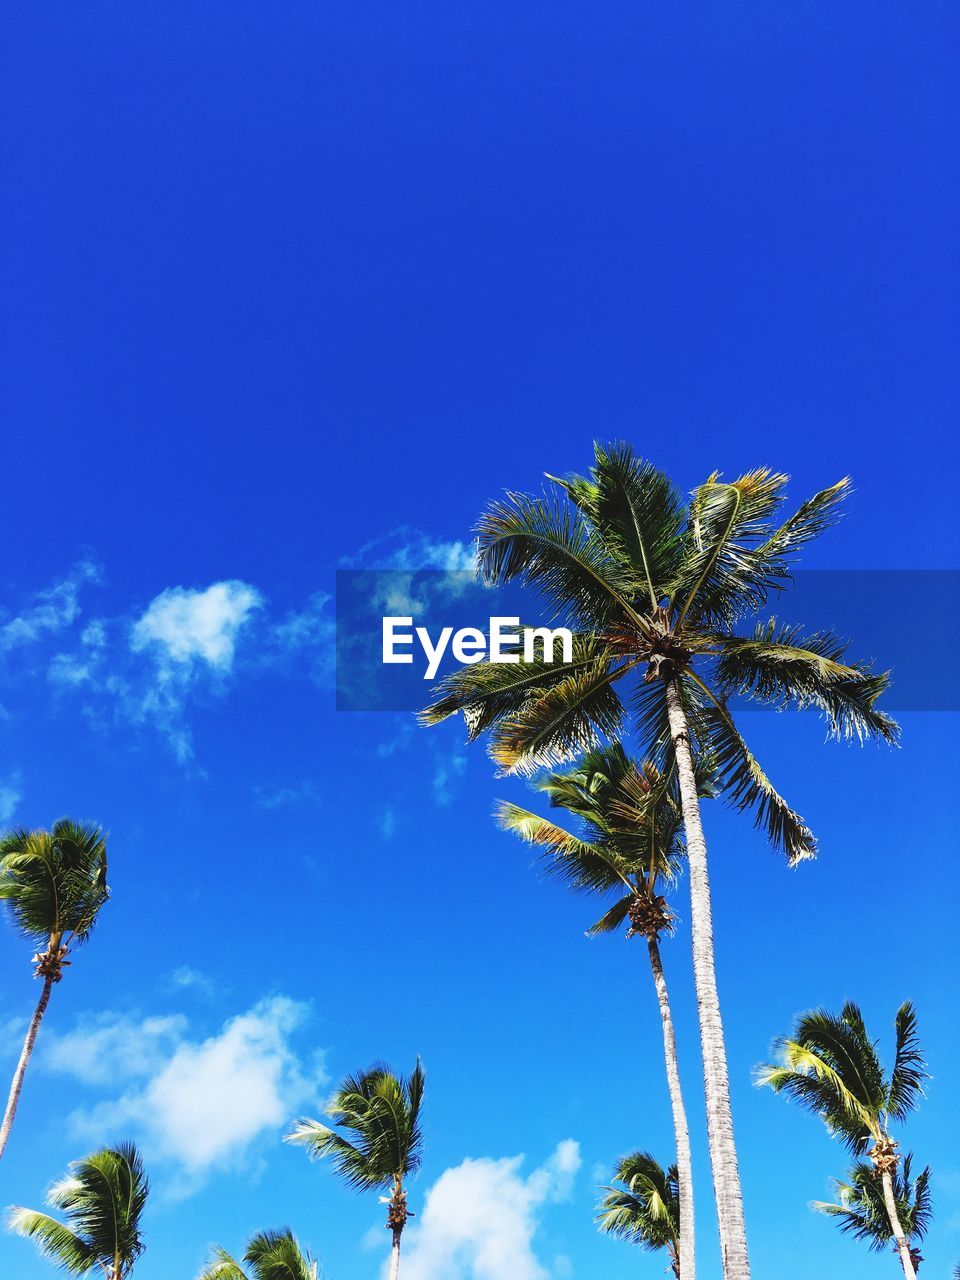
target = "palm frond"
x: 638, y: 514
x: 558, y: 723
x: 541, y: 542
x: 223, y: 1266
x: 909, y: 1069
x: 580, y: 865
x: 742, y: 780
x: 486, y: 691
x: 780, y: 666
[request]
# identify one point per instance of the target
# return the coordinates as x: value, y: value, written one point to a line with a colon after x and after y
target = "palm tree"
x: 54, y: 883
x: 381, y: 1111
x: 654, y: 587
x: 630, y: 846
x: 102, y: 1202
x: 272, y: 1255
x: 643, y: 1207
x: 862, y: 1210
x: 831, y: 1067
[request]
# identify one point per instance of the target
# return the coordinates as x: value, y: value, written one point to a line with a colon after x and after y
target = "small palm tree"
x: 382, y: 1112
x: 862, y: 1211
x: 656, y: 589
x: 102, y: 1201
x: 54, y: 884
x: 630, y: 846
x: 270, y: 1255
x: 643, y: 1206
x: 831, y: 1066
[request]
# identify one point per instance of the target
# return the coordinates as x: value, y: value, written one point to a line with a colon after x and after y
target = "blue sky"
x: 289, y: 288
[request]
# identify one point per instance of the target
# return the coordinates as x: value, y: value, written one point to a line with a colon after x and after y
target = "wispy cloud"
x: 10, y: 796
x: 195, y: 1105
x: 280, y: 797
x: 51, y: 610
x: 480, y: 1219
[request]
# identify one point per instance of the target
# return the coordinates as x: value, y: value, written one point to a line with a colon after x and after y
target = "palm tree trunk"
x: 723, y: 1152
x: 687, y: 1260
x: 903, y: 1245
x: 395, y: 1256
x: 17, y: 1084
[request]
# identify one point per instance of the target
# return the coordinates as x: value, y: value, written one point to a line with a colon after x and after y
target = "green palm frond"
x: 54, y: 1240
x: 831, y: 1066
x: 643, y: 1205
x: 102, y: 1201
x: 381, y: 1113
x: 54, y: 882
x: 722, y: 575
x: 277, y: 1255
x: 638, y: 514
x: 745, y: 784
x: 611, y: 920
x: 541, y: 542
x: 581, y: 865
x: 860, y: 1209
x: 909, y: 1067
x: 486, y: 691
x: 223, y: 1266
x: 271, y: 1255
x: 557, y: 724
x: 778, y: 666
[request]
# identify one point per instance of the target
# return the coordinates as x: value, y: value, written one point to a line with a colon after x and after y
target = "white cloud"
x: 112, y: 1047
x: 407, y: 548
x: 197, y: 1105
x: 184, y: 625
x: 53, y: 609
x: 10, y: 796
x: 187, y: 979
x: 480, y: 1218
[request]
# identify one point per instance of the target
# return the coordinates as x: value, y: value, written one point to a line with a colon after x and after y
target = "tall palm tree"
x: 654, y: 590
x: 382, y: 1114
x: 862, y: 1212
x: 643, y: 1206
x: 102, y: 1201
x: 630, y: 846
x: 270, y: 1255
x: 831, y: 1066
x: 54, y: 884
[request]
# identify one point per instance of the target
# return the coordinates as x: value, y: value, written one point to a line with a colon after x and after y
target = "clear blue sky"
x: 288, y: 287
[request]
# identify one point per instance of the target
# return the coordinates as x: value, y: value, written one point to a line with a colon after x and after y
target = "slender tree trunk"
x: 902, y: 1243
x: 723, y: 1152
x: 687, y: 1259
x: 17, y: 1085
x: 395, y: 1256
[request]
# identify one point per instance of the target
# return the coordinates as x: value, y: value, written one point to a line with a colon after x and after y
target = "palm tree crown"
x: 643, y: 1205
x: 381, y: 1112
x: 270, y: 1255
x: 655, y: 586
x: 860, y: 1209
x: 102, y: 1201
x: 54, y: 882
x: 831, y: 1066
x: 631, y: 840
